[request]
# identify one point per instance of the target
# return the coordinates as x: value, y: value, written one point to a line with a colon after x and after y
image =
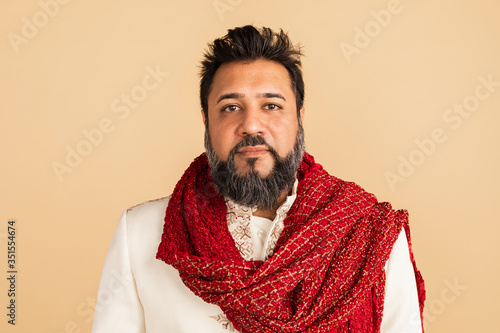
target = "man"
x: 256, y: 236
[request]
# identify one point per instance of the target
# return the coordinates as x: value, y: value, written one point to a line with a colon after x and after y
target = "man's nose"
x: 252, y: 122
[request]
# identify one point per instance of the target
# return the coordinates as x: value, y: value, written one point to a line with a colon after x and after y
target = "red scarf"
x: 327, y: 271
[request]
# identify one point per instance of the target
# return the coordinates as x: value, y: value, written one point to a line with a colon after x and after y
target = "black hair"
x: 249, y: 44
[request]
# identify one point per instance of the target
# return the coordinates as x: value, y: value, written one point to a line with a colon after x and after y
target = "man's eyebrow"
x: 272, y: 95
x: 263, y: 95
x: 229, y: 96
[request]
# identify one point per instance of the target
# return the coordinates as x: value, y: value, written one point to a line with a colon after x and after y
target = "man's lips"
x: 253, y: 151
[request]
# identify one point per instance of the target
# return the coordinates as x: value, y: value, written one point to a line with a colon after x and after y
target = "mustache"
x: 252, y: 141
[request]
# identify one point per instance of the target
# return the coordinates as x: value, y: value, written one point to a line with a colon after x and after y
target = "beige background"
x: 63, y: 74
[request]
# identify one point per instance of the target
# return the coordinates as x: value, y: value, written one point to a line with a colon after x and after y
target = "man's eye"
x: 273, y: 107
x: 230, y: 108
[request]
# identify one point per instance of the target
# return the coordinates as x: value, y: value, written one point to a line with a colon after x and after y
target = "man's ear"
x: 302, y: 111
x: 203, y: 117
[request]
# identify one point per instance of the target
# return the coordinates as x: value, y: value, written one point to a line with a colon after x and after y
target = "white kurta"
x: 139, y: 293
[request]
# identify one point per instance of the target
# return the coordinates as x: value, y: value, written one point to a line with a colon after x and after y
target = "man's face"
x: 252, y: 99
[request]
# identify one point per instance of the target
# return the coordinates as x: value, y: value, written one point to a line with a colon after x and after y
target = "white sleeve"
x: 118, y: 308
x: 401, y: 308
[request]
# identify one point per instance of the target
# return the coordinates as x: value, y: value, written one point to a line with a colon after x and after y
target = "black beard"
x: 251, y: 189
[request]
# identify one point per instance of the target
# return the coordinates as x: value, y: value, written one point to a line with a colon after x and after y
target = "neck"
x: 271, y: 213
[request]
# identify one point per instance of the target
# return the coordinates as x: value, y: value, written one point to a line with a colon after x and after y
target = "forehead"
x: 251, y: 77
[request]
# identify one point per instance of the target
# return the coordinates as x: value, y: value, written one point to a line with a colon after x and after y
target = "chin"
x: 262, y: 169
x: 263, y: 173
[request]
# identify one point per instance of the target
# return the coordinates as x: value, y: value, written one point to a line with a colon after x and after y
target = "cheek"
x: 221, y: 141
x: 285, y: 137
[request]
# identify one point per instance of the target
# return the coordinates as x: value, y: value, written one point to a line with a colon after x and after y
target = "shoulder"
x: 146, y: 218
x: 147, y: 209
x: 150, y: 204
x: 141, y: 228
